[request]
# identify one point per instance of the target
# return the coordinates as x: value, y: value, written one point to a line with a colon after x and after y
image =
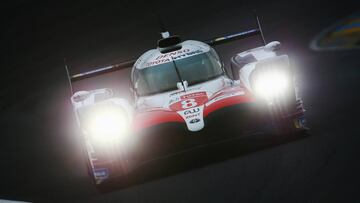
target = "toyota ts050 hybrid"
x: 180, y: 89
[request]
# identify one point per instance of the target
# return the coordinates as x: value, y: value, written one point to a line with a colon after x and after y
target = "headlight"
x: 271, y: 83
x: 108, y: 124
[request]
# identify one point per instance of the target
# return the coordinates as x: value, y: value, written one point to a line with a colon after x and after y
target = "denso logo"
x: 172, y: 54
x: 191, y: 111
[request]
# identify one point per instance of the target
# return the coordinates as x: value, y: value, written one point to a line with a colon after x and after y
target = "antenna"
x: 164, y: 33
x: 259, y: 26
x: 68, y: 76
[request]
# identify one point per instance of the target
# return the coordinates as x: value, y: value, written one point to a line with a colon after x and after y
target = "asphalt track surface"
x: 40, y: 157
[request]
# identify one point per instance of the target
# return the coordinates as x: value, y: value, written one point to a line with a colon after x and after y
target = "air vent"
x: 169, y: 44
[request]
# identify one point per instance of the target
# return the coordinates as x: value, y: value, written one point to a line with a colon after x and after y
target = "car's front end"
x: 184, y: 100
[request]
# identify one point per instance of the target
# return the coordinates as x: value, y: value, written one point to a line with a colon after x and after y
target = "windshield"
x: 163, y: 77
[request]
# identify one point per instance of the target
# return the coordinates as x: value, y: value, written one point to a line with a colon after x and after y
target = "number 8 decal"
x: 188, y: 103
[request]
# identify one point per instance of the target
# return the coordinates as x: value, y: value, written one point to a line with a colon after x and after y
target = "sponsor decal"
x: 195, y: 112
x: 193, y: 118
x: 192, y: 95
x: 165, y: 58
x: 192, y: 111
x: 101, y: 173
x: 302, y: 121
x: 172, y: 54
x: 196, y: 120
x: 157, y: 62
x: 187, y: 54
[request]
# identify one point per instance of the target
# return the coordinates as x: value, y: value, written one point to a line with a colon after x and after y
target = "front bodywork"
x: 174, y: 121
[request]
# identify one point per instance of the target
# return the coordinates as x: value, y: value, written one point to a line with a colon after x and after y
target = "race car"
x: 179, y: 90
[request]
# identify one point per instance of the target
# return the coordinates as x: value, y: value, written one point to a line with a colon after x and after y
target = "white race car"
x: 181, y: 89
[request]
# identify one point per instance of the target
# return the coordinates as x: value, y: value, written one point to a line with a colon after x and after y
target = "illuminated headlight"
x: 271, y: 83
x: 108, y: 124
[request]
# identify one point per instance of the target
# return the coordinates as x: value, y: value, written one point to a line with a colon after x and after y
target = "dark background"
x: 40, y: 155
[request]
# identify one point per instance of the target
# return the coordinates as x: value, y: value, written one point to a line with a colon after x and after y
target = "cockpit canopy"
x: 194, y: 69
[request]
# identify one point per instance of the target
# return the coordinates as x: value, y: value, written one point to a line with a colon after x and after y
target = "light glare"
x: 271, y: 84
x: 109, y: 124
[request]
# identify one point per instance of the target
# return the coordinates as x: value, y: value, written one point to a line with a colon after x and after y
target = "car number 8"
x: 188, y: 103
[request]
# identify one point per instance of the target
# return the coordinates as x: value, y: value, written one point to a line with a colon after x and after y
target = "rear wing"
x: 128, y: 64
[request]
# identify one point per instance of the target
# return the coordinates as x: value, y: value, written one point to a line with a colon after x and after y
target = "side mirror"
x: 273, y: 46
